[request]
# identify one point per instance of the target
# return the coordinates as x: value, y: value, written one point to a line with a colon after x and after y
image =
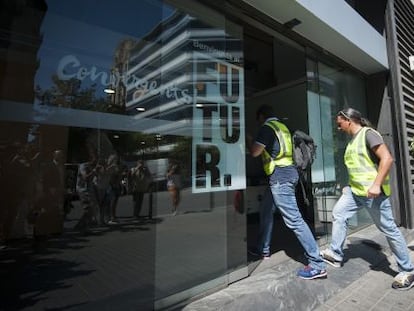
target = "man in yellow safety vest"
x: 274, y: 144
x: 368, y: 162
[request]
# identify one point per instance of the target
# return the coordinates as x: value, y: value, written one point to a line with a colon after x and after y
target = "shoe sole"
x: 403, y: 288
x: 336, y: 264
x: 330, y: 260
x: 323, y: 275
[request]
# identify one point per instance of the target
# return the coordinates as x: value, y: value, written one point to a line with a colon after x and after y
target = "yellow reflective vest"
x: 362, y: 170
x: 285, y: 155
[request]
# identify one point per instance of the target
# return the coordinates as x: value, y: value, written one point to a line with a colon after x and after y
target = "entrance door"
x: 275, y: 74
x: 330, y: 89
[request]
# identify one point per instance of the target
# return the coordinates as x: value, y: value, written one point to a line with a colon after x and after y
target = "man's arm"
x: 256, y: 149
x: 385, y: 161
x: 265, y: 137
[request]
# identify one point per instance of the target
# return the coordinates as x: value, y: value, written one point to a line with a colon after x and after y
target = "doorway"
x: 275, y: 74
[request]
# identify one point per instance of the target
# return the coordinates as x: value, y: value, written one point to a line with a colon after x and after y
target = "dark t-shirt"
x: 267, y: 138
x: 372, y: 140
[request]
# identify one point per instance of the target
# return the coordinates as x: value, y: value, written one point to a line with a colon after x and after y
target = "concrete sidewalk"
x: 363, y: 283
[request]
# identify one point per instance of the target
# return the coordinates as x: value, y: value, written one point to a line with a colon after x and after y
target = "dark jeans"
x: 137, y: 197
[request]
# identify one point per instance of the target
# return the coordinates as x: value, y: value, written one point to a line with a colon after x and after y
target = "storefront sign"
x: 411, y: 61
x: 218, y: 125
x: 70, y: 67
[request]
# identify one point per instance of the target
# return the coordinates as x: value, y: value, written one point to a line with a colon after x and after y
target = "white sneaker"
x: 403, y: 281
x: 331, y: 258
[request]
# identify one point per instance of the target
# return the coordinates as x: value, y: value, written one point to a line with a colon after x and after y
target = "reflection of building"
x: 17, y: 77
x: 159, y: 76
x: 117, y: 90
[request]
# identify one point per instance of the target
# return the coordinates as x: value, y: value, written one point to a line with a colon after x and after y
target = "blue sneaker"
x: 309, y: 273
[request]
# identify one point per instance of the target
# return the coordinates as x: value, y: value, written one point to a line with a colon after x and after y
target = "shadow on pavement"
x: 369, y: 251
x: 283, y: 239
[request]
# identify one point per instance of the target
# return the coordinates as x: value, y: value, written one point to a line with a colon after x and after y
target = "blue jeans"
x: 381, y: 214
x: 283, y: 197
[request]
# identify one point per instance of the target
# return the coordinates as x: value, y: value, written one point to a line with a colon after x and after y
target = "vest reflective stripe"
x: 285, y: 155
x: 362, y: 170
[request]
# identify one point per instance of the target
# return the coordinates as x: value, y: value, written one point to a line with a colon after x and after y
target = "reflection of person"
x: 114, y: 172
x: 58, y: 162
x: 274, y: 144
x: 368, y: 161
x: 174, y: 185
x: 140, y: 181
x: 20, y: 175
x: 124, y: 180
x: 101, y: 182
x: 86, y: 189
x: 50, y: 201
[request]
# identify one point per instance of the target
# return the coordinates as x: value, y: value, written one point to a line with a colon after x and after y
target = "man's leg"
x: 381, y: 213
x: 383, y: 218
x: 266, y: 223
x: 285, y: 199
x: 140, y: 198
x: 134, y: 203
x: 343, y: 210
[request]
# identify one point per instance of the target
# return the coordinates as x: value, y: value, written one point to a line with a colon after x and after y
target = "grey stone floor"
x: 363, y: 283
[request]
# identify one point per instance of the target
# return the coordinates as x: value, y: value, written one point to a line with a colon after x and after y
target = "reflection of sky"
x: 91, y: 30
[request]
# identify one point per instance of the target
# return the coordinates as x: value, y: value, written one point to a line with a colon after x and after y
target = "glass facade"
x: 124, y: 176
x: 331, y: 89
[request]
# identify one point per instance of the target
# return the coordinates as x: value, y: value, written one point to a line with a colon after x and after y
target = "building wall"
x: 400, y: 26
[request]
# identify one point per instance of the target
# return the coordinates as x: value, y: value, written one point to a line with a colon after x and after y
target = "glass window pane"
x: 122, y: 151
x: 330, y: 90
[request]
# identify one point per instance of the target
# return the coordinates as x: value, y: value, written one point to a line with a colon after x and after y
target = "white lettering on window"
x: 70, y: 67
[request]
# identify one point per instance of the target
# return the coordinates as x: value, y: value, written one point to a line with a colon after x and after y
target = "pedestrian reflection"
x: 85, y: 188
x: 140, y: 181
x: 174, y: 185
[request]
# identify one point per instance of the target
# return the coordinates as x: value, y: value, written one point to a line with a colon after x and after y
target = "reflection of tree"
x: 131, y: 143
x: 182, y: 154
x: 151, y: 146
x: 69, y: 94
x: 182, y: 150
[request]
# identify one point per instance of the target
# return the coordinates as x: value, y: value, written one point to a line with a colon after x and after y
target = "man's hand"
x: 374, y: 191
